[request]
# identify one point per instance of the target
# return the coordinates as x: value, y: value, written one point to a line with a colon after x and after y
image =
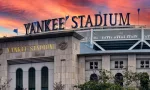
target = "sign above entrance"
x: 117, y: 35
x: 112, y: 35
x: 31, y: 48
x: 81, y: 21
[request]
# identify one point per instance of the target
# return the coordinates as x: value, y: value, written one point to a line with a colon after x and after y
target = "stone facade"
x: 61, y: 54
x: 65, y: 60
x: 131, y: 62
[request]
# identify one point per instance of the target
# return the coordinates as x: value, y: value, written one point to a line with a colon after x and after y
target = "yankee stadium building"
x: 37, y: 61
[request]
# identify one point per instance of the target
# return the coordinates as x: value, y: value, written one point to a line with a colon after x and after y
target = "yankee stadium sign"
x: 81, y: 21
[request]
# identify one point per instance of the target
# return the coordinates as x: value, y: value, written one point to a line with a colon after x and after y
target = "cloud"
x: 14, y: 13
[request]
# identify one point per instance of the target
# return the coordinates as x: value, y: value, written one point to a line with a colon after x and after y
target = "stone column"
x: 81, y: 68
x: 106, y: 62
x: 132, y: 63
x: 12, y: 74
x: 38, y: 79
x: 25, y: 79
x: 3, y: 68
x: 51, y: 79
x: 66, y: 62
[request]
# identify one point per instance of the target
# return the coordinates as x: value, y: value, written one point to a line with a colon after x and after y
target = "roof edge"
x: 116, y: 52
x: 51, y: 34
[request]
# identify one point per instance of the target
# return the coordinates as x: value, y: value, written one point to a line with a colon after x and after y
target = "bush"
x: 98, y: 86
x: 144, y: 81
x: 129, y: 78
x: 58, y: 86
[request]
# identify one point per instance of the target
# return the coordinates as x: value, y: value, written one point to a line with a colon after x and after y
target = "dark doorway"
x: 31, y: 79
x: 119, y: 79
x: 93, y: 77
x: 44, y: 78
x: 19, y: 79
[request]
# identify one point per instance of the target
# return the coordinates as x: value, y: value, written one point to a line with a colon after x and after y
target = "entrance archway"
x: 119, y: 79
x: 93, y: 77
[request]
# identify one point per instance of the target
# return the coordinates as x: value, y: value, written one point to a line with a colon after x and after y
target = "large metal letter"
x: 27, y: 26
x: 124, y: 20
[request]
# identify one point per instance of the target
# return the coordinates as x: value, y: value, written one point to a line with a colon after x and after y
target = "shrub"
x: 144, y: 81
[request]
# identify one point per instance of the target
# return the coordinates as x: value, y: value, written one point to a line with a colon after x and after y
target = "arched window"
x: 119, y: 79
x: 31, y: 79
x: 44, y: 78
x: 93, y: 77
x: 19, y: 79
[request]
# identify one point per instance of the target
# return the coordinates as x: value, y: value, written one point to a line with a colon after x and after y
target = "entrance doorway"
x: 119, y: 79
x: 93, y: 77
x: 38, y: 75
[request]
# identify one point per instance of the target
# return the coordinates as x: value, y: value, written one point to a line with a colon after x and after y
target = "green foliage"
x: 105, y: 76
x: 98, y: 86
x: 129, y: 77
x: 102, y: 84
x: 144, y: 81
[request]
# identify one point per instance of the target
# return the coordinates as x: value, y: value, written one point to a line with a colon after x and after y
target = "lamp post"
x: 138, y: 15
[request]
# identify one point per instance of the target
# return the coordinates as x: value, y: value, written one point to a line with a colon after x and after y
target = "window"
x: 44, y: 78
x: 93, y: 65
x: 19, y: 79
x: 144, y: 64
x: 96, y: 65
x: 31, y: 79
x: 147, y: 64
x: 121, y: 64
x: 118, y: 64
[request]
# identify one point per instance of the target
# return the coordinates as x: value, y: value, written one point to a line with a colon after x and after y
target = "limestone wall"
x: 65, y: 61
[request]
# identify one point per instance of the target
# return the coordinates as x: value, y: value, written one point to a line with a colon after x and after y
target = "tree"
x: 58, y: 86
x: 144, y: 81
x: 103, y: 83
x: 131, y: 77
x: 5, y: 85
x: 105, y: 76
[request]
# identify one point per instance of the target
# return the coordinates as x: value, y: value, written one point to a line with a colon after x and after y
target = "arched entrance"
x: 93, y: 77
x: 44, y: 78
x: 119, y: 79
x: 31, y: 79
x: 19, y: 79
